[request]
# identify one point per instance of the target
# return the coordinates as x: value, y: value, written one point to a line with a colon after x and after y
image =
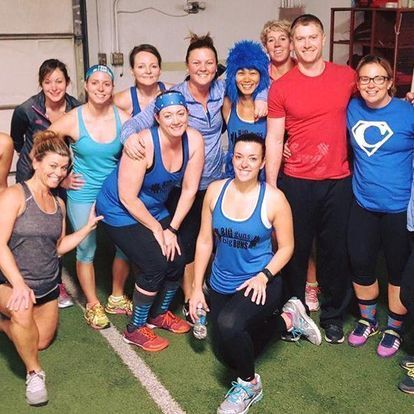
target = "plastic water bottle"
x: 200, y: 328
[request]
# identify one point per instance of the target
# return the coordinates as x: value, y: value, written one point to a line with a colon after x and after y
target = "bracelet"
x: 172, y: 229
x: 268, y: 273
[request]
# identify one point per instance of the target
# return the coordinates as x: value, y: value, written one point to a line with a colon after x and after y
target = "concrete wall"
x: 226, y: 20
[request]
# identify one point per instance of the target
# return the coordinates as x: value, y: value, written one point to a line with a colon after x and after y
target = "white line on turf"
x: 135, y: 364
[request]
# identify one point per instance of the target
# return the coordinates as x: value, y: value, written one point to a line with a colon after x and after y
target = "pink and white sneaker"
x: 389, y: 344
x: 311, y: 297
x: 64, y: 300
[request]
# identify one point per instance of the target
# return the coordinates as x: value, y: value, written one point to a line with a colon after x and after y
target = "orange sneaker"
x: 146, y: 339
x: 170, y: 322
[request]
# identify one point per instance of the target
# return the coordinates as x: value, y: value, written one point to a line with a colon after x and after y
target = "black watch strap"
x: 268, y: 273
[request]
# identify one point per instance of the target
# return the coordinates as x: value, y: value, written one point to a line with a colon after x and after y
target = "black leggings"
x: 233, y: 318
x: 407, y: 281
x: 190, y: 226
x: 367, y: 232
x: 142, y: 249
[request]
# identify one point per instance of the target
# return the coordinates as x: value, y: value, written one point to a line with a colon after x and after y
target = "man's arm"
x: 274, y: 148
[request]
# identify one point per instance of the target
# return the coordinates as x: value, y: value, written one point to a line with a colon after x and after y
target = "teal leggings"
x: 78, y: 216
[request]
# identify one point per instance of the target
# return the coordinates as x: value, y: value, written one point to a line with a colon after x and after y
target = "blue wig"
x: 246, y: 55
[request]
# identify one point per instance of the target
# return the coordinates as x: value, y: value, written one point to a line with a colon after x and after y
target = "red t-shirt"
x: 315, y: 112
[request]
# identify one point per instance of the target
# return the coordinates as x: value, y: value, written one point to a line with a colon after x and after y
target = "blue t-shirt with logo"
x: 383, y: 142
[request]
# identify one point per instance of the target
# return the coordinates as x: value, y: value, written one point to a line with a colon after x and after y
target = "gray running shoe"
x: 241, y: 396
x: 302, y: 323
x: 36, y: 392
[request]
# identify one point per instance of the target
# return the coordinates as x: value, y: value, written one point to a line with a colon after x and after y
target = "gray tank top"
x: 33, y: 244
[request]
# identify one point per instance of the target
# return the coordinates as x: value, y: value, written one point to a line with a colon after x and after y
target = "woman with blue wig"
x: 94, y: 129
x: 247, y: 75
x: 132, y: 201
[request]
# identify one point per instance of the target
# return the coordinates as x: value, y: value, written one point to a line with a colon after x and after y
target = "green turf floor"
x: 86, y: 376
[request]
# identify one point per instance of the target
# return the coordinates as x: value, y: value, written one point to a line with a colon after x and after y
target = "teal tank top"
x: 93, y: 160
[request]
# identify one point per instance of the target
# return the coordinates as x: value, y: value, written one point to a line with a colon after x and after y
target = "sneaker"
x: 291, y: 336
x: 119, y: 306
x: 407, y: 362
x: 170, y: 322
x: 302, y: 323
x: 407, y: 384
x: 389, y: 344
x: 36, y: 392
x: 241, y: 396
x: 95, y: 316
x: 334, y: 334
x: 311, y: 297
x: 186, y: 313
x: 64, y: 300
x: 362, y: 332
x: 146, y: 339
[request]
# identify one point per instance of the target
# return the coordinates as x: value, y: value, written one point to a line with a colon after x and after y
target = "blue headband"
x: 99, y: 68
x: 169, y: 99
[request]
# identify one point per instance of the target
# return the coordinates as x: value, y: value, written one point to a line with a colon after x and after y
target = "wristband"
x: 268, y: 273
x: 172, y: 229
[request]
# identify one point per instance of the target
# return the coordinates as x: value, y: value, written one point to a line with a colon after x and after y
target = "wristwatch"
x: 268, y: 273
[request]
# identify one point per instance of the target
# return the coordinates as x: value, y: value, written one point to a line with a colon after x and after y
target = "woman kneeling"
x: 244, y: 288
x: 31, y: 241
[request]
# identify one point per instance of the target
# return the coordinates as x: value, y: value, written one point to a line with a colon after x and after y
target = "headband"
x: 99, y: 68
x: 168, y: 99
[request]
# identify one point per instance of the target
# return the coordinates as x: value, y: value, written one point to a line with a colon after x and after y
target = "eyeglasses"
x: 378, y: 80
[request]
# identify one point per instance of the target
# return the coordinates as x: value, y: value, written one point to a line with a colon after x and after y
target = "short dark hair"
x: 305, y: 20
x: 50, y: 65
x: 144, y: 48
x: 250, y: 137
x: 200, y: 42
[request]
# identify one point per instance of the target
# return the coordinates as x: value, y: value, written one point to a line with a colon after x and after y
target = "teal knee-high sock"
x: 142, y: 305
x: 164, y: 298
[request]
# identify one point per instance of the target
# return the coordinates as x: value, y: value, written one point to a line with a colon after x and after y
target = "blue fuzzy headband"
x: 168, y: 99
x: 246, y: 55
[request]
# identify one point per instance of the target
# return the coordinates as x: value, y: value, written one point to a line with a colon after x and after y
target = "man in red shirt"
x: 310, y: 102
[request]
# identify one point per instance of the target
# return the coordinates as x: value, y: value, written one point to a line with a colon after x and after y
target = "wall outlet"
x: 117, y: 59
x: 102, y: 59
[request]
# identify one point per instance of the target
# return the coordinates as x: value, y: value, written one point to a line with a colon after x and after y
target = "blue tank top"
x: 244, y: 247
x: 136, y: 108
x: 157, y: 185
x: 236, y: 127
x: 93, y: 160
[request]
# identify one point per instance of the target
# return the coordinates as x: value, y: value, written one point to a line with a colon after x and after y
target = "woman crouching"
x: 245, y: 288
x: 31, y: 241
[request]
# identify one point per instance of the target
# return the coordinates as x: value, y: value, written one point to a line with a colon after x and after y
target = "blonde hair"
x: 48, y: 141
x: 274, y: 25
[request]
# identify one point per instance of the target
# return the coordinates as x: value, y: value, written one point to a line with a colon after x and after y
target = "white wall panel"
x: 36, y: 16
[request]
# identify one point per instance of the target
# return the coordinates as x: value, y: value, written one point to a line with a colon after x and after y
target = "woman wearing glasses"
x: 381, y: 130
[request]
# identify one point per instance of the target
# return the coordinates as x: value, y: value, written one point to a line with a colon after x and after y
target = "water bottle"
x: 200, y: 328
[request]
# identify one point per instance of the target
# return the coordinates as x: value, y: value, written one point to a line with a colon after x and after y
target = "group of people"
x: 150, y: 161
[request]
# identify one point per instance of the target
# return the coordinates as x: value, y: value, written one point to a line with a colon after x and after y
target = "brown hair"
x: 144, y: 48
x: 48, y: 141
x: 49, y: 66
x: 274, y: 25
x: 200, y: 42
x: 378, y: 60
x: 306, y: 20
